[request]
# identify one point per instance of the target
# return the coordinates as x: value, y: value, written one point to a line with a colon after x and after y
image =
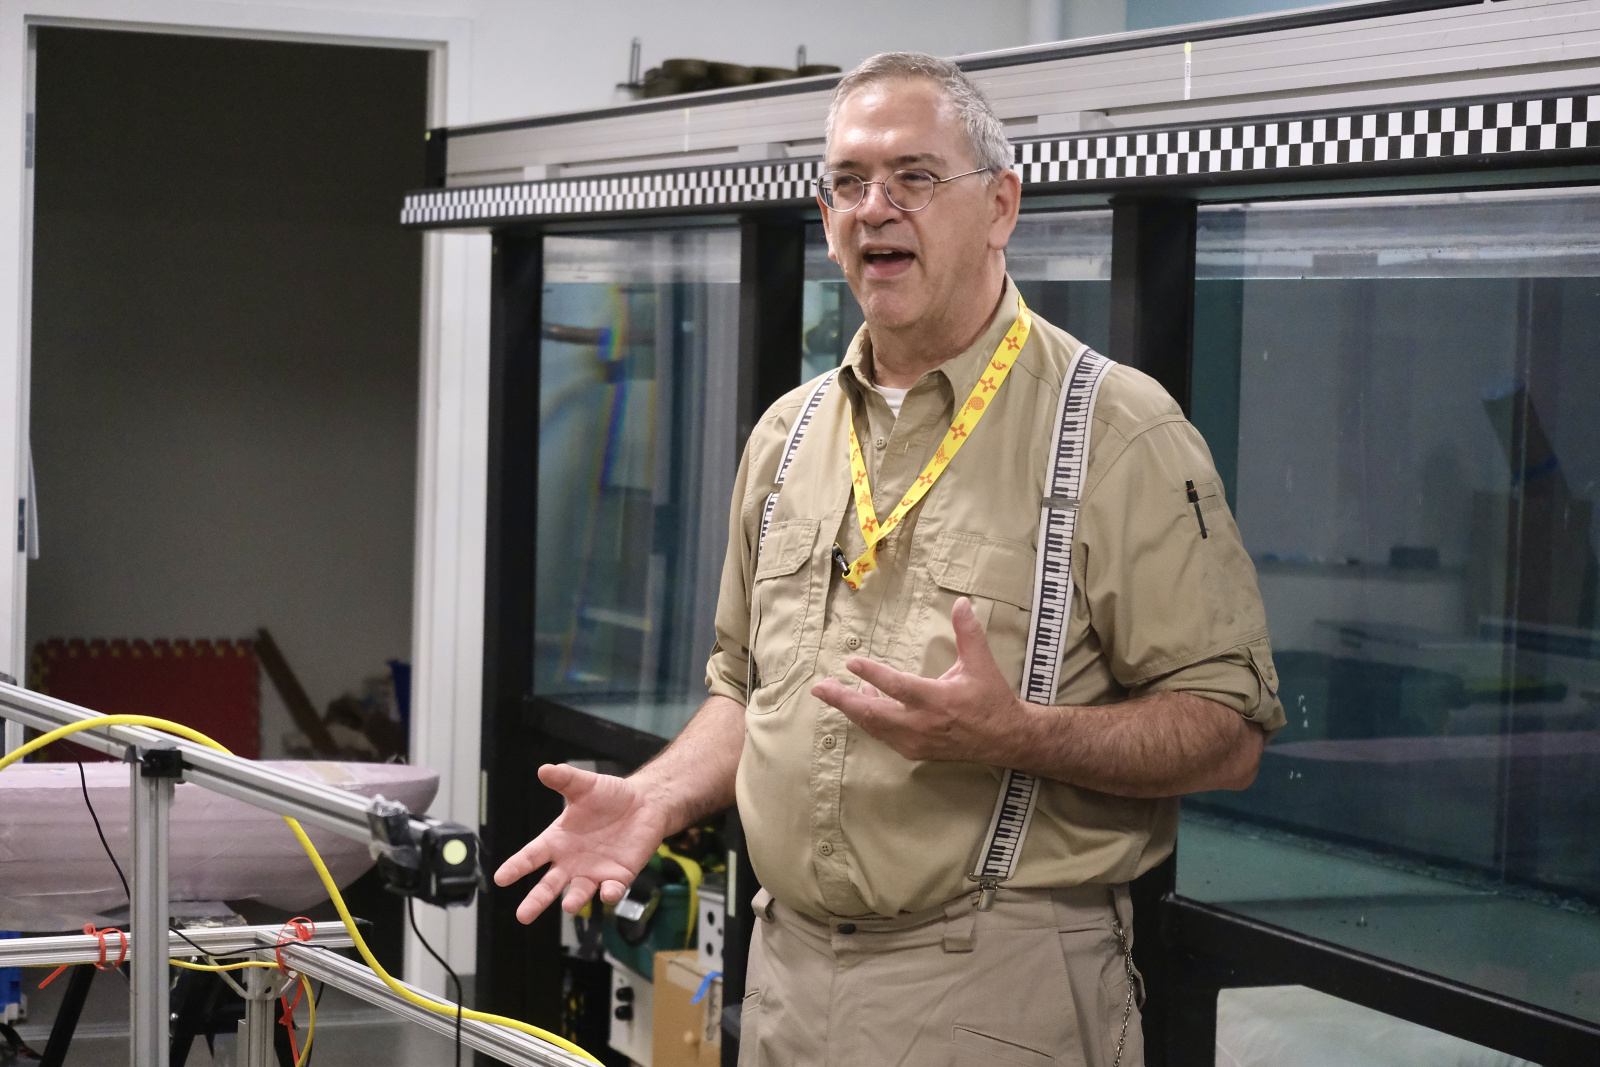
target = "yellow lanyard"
x: 966, y: 420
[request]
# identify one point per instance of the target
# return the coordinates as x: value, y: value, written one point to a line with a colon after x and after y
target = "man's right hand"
x: 602, y: 840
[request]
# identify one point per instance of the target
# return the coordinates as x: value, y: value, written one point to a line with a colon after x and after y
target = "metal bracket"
x: 160, y: 763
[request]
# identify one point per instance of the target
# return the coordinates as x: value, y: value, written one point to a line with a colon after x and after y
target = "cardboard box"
x: 686, y: 1034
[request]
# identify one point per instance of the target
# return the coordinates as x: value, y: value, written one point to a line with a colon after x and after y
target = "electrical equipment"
x: 438, y: 866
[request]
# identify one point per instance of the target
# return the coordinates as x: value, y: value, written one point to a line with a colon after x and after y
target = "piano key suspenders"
x: 797, y: 432
x: 1052, y: 605
x: 1052, y: 592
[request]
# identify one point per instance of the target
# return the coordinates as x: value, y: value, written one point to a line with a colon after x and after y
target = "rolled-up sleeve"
x: 1171, y: 590
x: 727, y: 671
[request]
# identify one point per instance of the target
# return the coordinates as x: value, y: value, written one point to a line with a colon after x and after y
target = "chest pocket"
x: 782, y: 605
x: 997, y: 574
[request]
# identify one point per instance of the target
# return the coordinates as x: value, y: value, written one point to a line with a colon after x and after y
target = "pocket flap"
x: 984, y: 566
x: 789, y: 544
x: 974, y: 1048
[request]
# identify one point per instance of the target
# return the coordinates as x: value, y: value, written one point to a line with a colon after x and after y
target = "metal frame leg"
x: 255, y: 1033
x: 149, y: 1010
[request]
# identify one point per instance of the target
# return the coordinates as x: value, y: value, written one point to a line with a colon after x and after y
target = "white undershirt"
x: 895, y: 397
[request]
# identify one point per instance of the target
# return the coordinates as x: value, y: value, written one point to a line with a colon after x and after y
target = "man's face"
x: 908, y: 266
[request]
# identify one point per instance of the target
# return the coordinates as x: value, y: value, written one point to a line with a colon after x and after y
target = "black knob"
x: 625, y: 994
x: 624, y: 1012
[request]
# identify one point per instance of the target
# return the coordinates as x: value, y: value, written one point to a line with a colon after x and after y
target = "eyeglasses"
x: 908, y: 190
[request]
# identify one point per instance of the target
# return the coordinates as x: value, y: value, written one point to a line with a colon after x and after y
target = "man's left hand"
x: 967, y: 713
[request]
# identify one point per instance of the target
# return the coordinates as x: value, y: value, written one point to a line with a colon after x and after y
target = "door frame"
x: 447, y: 615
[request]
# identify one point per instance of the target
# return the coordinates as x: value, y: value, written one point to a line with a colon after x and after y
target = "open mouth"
x: 887, y: 261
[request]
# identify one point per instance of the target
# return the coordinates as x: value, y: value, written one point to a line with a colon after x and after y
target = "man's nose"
x: 875, y: 207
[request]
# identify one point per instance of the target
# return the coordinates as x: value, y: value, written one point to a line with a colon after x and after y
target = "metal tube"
x: 314, y: 804
x: 502, y: 1043
x: 213, y: 941
x: 148, y: 994
x: 255, y: 1033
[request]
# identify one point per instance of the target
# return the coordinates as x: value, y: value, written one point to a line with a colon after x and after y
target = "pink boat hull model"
x: 54, y: 874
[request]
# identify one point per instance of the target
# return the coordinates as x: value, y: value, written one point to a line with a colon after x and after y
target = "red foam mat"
x: 213, y: 686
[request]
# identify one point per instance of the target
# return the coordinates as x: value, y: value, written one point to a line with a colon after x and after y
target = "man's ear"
x: 827, y: 228
x: 1005, y: 193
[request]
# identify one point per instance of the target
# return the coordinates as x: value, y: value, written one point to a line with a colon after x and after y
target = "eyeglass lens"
x: 908, y: 190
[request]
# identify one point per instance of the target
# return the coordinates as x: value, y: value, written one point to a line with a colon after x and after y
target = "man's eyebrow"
x: 932, y: 159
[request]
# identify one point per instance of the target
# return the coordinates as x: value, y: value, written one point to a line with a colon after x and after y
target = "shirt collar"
x: 961, y: 371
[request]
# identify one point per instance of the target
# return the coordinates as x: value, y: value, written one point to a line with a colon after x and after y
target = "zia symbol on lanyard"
x: 967, y: 418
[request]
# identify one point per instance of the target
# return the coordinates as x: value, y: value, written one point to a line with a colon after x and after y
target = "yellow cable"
x: 219, y: 966
x: 311, y: 1023
x: 440, y: 1007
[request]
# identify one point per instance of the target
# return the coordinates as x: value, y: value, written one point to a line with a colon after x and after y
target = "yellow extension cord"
x: 440, y: 1007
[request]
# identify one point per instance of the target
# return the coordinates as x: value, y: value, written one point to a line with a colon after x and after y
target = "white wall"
x: 534, y: 58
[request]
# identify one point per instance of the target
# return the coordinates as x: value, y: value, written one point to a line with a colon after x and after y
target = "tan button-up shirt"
x: 839, y: 824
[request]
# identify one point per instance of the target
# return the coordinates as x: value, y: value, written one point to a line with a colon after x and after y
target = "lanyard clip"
x: 839, y: 560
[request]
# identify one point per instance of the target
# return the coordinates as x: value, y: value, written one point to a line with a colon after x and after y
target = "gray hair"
x: 985, y: 135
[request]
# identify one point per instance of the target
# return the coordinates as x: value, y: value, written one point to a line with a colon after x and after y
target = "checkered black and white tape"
x: 634, y: 192
x: 1369, y: 138
x: 1375, y: 139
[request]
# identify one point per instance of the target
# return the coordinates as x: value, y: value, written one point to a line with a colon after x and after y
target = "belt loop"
x: 1122, y: 905
x: 960, y: 925
x: 761, y: 904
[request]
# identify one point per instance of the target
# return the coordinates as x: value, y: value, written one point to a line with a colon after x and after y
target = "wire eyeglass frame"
x: 826, y: 193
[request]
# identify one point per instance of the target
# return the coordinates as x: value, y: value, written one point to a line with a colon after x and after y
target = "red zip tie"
x: 299, y: 928
x: 101, y: 963
x: 287, y: 1018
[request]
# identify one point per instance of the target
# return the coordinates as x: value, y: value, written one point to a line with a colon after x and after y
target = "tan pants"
x: 1039, y: 979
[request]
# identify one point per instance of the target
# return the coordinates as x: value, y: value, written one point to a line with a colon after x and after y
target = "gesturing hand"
x: 602, y: 840
x: 969, y: 712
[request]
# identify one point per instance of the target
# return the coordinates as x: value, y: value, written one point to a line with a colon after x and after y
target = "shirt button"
x: 852, y: 642
x: 880, y: 444
x: 847, y: 928
x: 828, y: 741
x: 825, y: 848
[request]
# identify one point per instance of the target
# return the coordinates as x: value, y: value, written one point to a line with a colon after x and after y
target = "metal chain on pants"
x: 1127, y: 964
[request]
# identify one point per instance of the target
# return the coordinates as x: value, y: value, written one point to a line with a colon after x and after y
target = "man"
x: 866, y: 730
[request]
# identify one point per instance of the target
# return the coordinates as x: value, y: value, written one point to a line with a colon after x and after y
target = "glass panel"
x: 1404, y: 399
x: 1088, y: 18
x: 637, y: 456
x: 1061, y: 262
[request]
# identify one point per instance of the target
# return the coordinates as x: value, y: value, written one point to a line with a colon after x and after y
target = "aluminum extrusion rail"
x: 243, y: 779
x: 503, y: 1043
x: 216, y: 941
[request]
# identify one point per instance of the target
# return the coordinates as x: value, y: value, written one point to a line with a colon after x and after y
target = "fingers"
x: 612, y: 891
x: 540, y: 896
x: 525, y: 861
x: 972, y: 644
x: 886, y: 681
x: 835, y: 695
x: 570, y: 782
x: 578, y: 894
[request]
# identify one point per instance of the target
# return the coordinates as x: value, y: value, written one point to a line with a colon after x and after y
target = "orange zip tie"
x: 100, y: 964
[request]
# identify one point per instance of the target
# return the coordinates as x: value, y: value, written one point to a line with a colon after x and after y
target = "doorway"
x: 225, y: 338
